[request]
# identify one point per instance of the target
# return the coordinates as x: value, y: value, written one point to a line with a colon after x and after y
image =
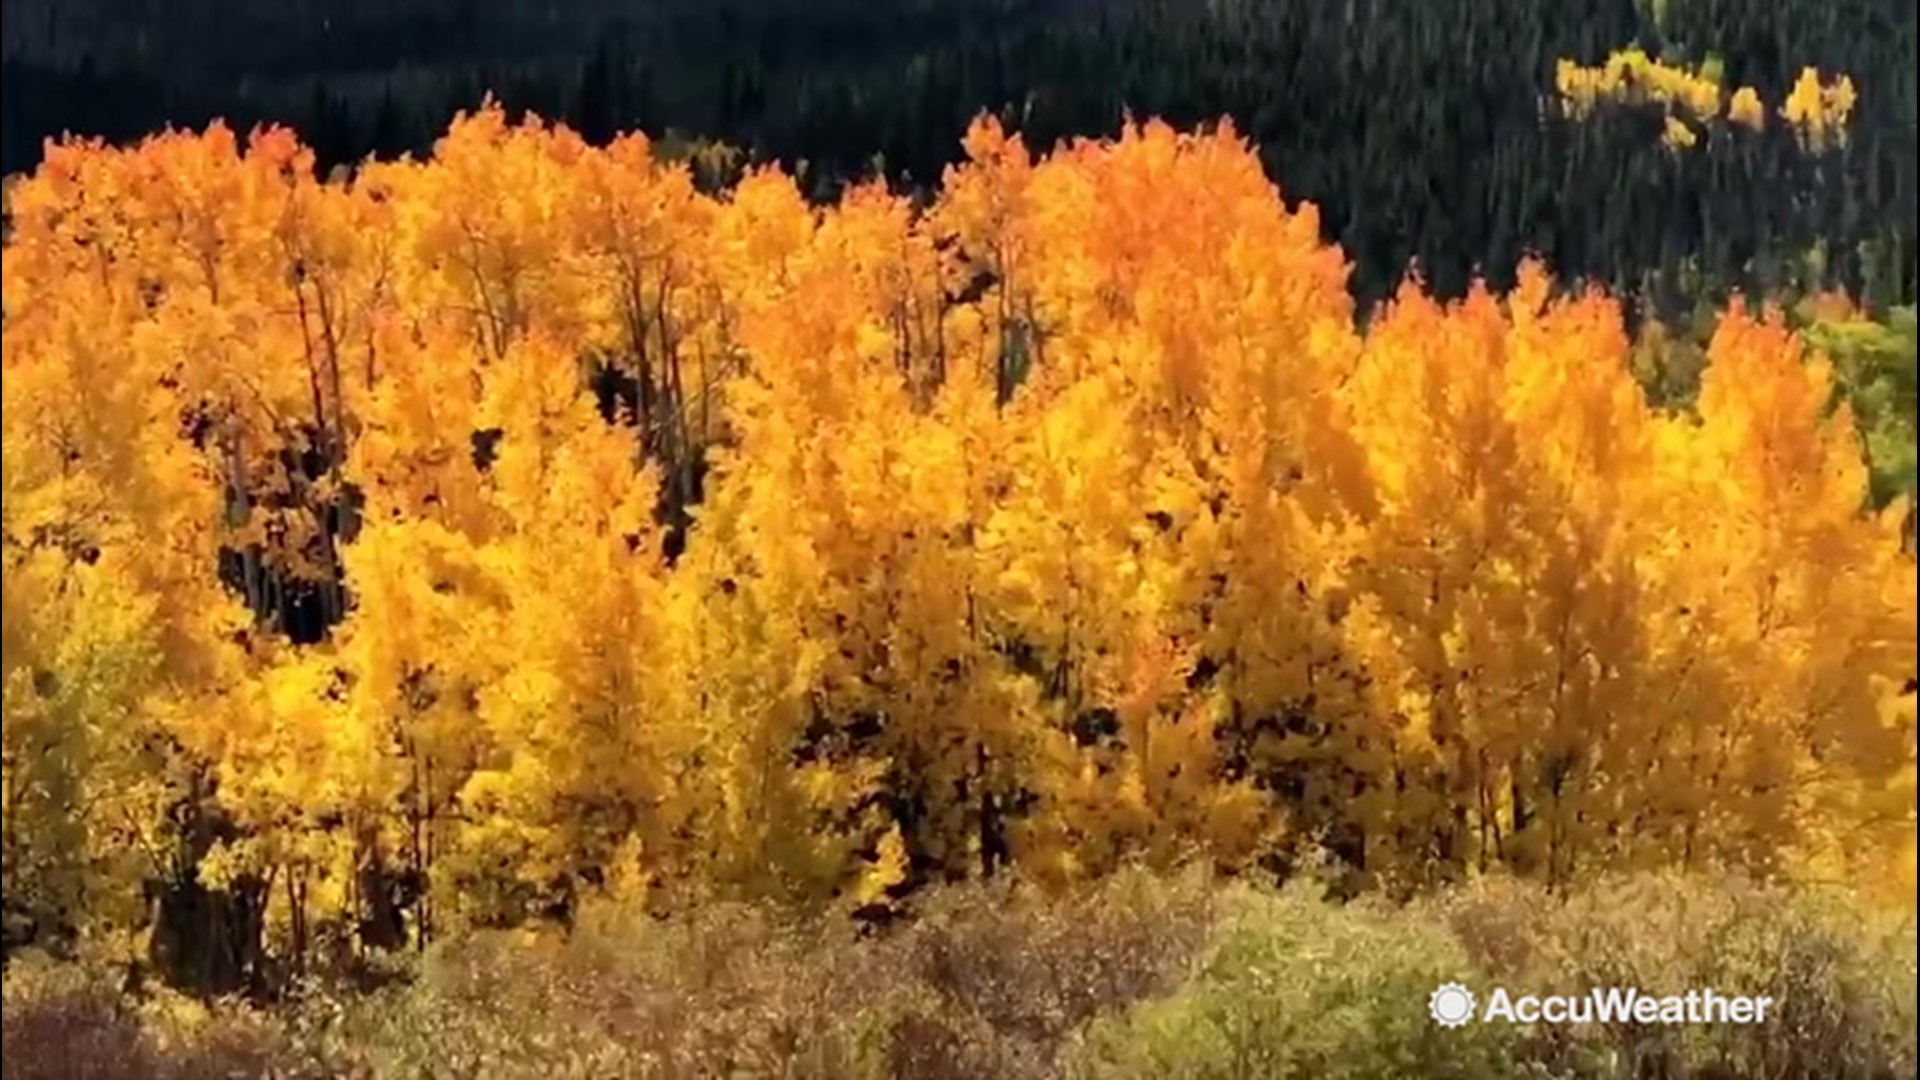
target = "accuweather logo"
x: 1452, y: 1005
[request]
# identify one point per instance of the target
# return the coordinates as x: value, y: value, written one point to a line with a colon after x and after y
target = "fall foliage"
x: 442, y: 545
x: 1816, y: 111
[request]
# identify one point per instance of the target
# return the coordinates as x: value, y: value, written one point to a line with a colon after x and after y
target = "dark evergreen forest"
x: 1415, y: 124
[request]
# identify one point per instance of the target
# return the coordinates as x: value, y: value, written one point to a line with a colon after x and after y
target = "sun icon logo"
x: 1451, y: 1005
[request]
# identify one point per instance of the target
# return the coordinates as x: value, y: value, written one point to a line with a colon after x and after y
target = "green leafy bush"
x: 1297, y: 987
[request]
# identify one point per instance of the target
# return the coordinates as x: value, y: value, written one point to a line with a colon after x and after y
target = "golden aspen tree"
x: 1806, y: 602
x: 986, y: 218
x: 659, y: 311
x: 584, y: 750
x: 483, y: 225
x: 818, y: 503
x: 1120, y: 527
x: 1494, y: 603
x: 114, y: 618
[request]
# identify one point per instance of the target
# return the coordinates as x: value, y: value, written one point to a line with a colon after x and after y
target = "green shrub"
x: 1298, y: 987
x: 1875, y: 365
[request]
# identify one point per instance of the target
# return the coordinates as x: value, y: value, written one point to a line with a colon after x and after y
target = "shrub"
x: 67, y: 1020
x: 1183, y: 977
x: 1298, y: 987
x: 1841, y: 974
x: 986, y: 980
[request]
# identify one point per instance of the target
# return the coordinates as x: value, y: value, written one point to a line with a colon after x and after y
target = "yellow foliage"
x: 1819, y: 111
x: 664, y: 540
x: 1745, y: 109
x: 1633, y: 77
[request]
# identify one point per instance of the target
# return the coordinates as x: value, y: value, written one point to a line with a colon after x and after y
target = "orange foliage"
x: 631, y: 535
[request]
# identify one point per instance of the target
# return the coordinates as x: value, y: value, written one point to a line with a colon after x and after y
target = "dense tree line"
x: 355, y: 589
x: 1415, y: 124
